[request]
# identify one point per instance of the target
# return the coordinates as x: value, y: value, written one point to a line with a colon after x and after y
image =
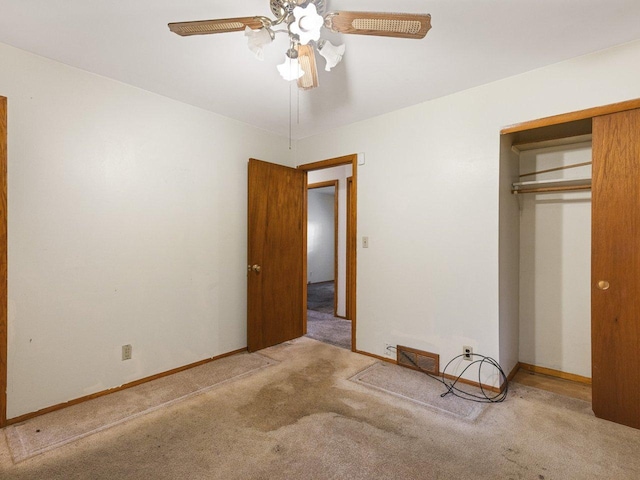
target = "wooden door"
x: 615, y: 277
x: 277, y: 297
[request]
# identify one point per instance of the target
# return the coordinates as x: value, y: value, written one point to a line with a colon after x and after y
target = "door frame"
x: 350, y: 301
x: 334, y: 184
x: 352, y: 224
x: 3, y: 262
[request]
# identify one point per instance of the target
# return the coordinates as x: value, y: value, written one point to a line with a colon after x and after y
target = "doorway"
x: 277, y: 251
x: 326, y: 255
x: 323, y: 247
x: 331, y: 257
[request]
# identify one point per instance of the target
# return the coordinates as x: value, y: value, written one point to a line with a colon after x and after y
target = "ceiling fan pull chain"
x: 290, y: 95
x: 298, y: 105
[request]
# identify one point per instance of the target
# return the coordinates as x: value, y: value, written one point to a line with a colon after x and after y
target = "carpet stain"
x: 312, y: 391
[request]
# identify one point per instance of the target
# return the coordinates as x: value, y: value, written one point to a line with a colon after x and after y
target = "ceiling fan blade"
x: 401, y: 25
x: 221, y: 25
x: 307, y: 59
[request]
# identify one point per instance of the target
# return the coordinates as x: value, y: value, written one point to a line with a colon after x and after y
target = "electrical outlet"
x: 126, y: 352
x: 467, y: 352
x: 389, y: 350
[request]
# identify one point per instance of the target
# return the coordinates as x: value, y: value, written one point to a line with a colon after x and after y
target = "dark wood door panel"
x: 276, y: 297
x: 615, y: 267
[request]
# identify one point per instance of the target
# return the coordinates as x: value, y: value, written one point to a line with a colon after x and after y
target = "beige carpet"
x: 326, y: 328
x: 303, y: 418
x: 58, y: 428
x: 419, y: 388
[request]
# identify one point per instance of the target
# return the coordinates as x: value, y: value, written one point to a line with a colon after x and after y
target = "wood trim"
x: 353, y: 204
x: 555, y: 373
x: 305, y: 220
x: 471, y: 383
x: 336, y: 278
x: 3, y: 262
x: 572, y: 116
x: 328, y: 183
x: 352, y: 251
x: 378, y: 357
x: 86, y: 398
x: 513, y: 372
x: 511, y: 376
x: 352, y: 245
x: 331, y: 162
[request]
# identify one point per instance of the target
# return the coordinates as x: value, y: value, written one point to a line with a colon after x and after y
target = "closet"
x: 614, y: 134
x: 554, y: 197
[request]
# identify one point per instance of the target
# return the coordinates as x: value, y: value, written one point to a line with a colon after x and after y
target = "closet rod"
x: 565, y: 167
x: 552, y: 189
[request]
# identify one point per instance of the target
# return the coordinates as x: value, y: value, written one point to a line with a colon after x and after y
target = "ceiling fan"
x: 302, y: 21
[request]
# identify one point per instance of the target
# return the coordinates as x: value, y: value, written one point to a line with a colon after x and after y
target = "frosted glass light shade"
x: 332, y: 54
x: 290, y: 69
x: 307, y: 23
x: 257, y: 40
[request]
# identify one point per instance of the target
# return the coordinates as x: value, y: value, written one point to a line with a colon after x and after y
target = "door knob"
x: 603, y: 285
x: 256, y: 268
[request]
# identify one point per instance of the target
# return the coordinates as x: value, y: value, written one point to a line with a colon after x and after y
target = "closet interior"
x: 554, y: 198
x: 569, y: 256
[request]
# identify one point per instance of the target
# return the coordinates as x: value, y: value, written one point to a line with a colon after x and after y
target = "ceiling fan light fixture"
x: 332, y: 53
x: 290, y: 69
x: 301, y: 21
x: 257, y: 40
x: 306, y: 24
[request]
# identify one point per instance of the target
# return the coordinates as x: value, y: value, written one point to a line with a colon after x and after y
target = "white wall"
x: 428, y: 199
x: 339, y: 173
x: 127, y: 225
x: 127, y: 219
x: 508, y: 257
x: 555, y: 265
x: 321, y: 240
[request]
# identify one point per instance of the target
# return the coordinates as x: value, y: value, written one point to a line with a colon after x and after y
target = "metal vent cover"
x: 418, y: 360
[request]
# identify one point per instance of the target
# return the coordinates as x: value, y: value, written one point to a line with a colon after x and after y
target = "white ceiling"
x: 472, y: 42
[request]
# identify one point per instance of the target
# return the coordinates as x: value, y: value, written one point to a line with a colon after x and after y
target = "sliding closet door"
x: 615, y: 267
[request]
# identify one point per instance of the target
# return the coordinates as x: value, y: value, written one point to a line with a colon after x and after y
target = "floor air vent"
x: 418, y: 360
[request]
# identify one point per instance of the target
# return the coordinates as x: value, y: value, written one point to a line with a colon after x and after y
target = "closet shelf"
x: 548, y: 143
x: 551, y: 186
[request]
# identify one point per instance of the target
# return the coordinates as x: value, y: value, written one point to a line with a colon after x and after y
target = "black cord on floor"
x: 485, y: 398
x: 452, y: 389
